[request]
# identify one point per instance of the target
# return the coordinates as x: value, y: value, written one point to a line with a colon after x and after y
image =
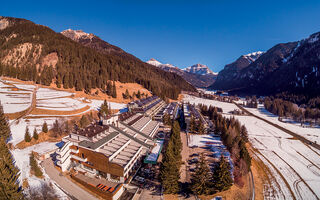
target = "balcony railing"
x: 79, y: 158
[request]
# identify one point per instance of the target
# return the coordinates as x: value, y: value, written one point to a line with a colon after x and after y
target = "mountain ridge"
x: 78, y: 65
x: 286, y: 67
x: 201, y: 80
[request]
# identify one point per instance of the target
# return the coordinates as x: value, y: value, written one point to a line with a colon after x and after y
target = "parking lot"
x: 147, y: 177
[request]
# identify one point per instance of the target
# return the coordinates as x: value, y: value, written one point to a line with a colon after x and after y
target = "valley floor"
x: 292, y: 167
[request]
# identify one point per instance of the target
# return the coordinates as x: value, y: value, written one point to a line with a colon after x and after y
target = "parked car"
x: 139, y: 179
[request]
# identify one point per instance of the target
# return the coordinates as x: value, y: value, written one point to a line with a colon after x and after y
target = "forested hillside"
x: 34, y: 52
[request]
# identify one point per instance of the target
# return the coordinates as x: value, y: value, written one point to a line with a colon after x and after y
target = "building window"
x: 87, y: 168
x: 115, y: 177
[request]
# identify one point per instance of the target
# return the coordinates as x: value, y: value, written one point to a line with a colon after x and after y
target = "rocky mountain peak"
x: 4, y: 23
x: 192, y: 74
x: 76, y: 35
x: 154, y: 62
x: 253, y: 56
x: 199, y: 69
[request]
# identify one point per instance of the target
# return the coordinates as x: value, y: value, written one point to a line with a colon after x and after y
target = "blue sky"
x: 179, y: 32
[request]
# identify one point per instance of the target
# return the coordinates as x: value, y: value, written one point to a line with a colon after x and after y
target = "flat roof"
x: 92, y: 130
x: 95, y: 145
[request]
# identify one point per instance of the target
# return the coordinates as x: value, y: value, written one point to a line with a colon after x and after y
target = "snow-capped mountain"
x: 253, y: 56
x: 154, y: 62
x: 166, y: 67
x: 199, y: 76
x: 200, y: 70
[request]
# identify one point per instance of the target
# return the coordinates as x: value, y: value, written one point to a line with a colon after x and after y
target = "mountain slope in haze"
x: 287, y: 67
x: 198, y: 75
x: 34, y: 52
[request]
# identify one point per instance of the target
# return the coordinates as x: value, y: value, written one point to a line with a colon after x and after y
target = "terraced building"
x: 110, y: 148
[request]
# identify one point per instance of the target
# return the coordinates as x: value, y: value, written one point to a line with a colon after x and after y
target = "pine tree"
x: 201, y: 179
x: 127, y: 94
x: 45, y: 127
x: 34, y: 166
x: 4, y: 130
x: 84, y: 121
x: 114, y: 90
x: 192, y: 126
x: 138, y: 94
x: 169, y: 172
x: 9, y: 173
x: 104, y: 109
x: 35, y: 134
x: 27, y: 137
x: 109, y: 88
x: 58, y: 81
x: 222, y: 179
x: 171, y: 163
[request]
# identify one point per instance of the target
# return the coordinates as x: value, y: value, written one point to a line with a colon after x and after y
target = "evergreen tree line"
x: 196, y: 126
x: 137, y: 95
x: 167, y: 120
x: 171, y: 162
x: 207, y: 182
x: 81, y: 67
x: 9, y: 173
x: 251, y: 102
x: 287, y: 109
x: 234, y: 136
x: 299, y: 99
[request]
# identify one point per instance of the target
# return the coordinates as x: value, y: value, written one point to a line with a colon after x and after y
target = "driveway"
x: 63, y: 182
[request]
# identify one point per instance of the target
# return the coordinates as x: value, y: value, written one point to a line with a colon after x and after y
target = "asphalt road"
x: 64, y: 183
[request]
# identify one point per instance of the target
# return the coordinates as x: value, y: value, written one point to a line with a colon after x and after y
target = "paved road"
x: 67, y: 185
x: 253, y: 196
x: 299, y: 137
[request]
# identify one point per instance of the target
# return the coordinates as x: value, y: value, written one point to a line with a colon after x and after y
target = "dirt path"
x: 32, y: 106
x: 184, y: 173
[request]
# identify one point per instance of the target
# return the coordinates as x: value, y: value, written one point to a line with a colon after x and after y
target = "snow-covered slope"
x: 251, y: 57
x: 156, y: 63
x: 199, y: 69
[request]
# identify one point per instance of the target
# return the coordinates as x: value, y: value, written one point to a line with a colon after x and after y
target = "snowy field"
x: 226, y: 107
x: 312, y: 134
x: 298, y: 163
x: 22, y: 161
x: 294, y: 166
x: 18, y: 127
x: 203, y: 140
x: 60, y: 104
x: 16, y: 97
x: 13, y: 99
x: 46, y: 93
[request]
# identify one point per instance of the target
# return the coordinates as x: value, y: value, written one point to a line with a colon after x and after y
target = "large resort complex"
x: 112, y: 148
